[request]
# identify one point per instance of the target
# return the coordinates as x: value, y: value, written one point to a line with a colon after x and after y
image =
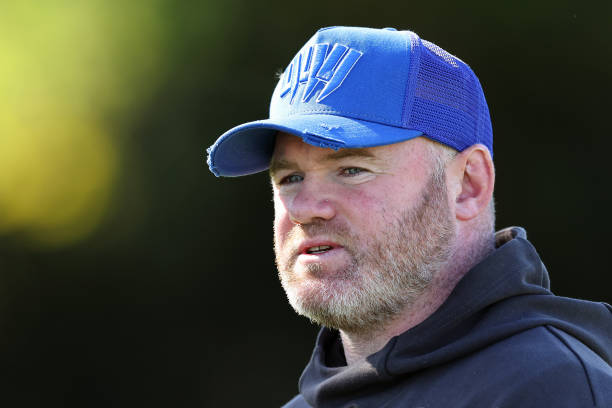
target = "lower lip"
x: 306, y: 257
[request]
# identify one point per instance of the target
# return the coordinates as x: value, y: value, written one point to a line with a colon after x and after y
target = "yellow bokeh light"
x: 56, y: 175
x: 67, y: 67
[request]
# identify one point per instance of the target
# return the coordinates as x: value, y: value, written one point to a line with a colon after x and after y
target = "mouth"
x: 320, y: 249
x: 317, y: 247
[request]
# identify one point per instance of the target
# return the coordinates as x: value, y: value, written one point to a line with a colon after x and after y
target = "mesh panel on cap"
x: 485, y: 130
x: 448, y: 105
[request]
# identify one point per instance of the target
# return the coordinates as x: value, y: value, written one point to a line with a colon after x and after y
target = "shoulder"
x: 296, y: 402
x: 546, y: 365
x: 587, y: 366
x: 538, y: 367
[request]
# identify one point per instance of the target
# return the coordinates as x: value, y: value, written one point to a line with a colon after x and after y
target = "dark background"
x: 173, y: 299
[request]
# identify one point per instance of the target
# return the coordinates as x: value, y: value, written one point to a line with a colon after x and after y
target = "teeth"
x: 318, y: 249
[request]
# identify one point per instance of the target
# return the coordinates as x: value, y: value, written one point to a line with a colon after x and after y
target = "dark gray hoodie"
x: 501, y: 339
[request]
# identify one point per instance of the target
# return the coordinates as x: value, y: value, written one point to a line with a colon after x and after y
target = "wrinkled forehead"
x: 288, y: 144
x: 290, y: 149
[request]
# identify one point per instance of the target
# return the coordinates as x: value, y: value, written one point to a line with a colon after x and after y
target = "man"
x: 379, y: 147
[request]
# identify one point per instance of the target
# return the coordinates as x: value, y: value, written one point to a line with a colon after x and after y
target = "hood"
x: 505, y: 294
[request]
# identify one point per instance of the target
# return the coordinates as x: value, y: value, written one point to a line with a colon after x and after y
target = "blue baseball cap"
x: 352, y: 87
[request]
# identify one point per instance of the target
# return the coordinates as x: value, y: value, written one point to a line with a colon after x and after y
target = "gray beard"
x: 378, y: 283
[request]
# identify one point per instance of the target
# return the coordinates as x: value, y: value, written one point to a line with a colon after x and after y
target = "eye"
x: 351, y: 171
x: 290, y: 179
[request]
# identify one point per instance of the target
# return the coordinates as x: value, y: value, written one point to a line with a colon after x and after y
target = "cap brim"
x: 248, y: 148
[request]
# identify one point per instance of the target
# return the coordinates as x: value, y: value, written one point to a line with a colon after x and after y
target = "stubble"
x: 386, y: 273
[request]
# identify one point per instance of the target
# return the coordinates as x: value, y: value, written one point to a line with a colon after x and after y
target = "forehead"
x: 292, y: 149
x: 291, y: 146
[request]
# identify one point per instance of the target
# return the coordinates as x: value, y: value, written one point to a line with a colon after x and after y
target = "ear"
x: 474, y: 178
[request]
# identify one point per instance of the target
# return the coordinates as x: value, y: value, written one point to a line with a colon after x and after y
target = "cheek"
x: 376, y: 207
x: 282, y: 222
x: 364, y: 204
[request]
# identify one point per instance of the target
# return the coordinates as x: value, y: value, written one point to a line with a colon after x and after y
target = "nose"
x: 311, y: 203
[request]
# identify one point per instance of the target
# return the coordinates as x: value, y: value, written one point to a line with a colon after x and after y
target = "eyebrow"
x: 282, y: 164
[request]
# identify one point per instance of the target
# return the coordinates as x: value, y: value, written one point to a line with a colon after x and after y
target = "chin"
x: 321, y: 299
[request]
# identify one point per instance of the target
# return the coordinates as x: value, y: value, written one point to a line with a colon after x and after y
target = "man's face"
x: 358, y: 233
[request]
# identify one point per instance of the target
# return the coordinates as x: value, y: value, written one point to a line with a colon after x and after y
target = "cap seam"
x: 413, y: 66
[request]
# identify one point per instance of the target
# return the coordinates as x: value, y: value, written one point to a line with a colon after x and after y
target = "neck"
x: 358, y: 345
